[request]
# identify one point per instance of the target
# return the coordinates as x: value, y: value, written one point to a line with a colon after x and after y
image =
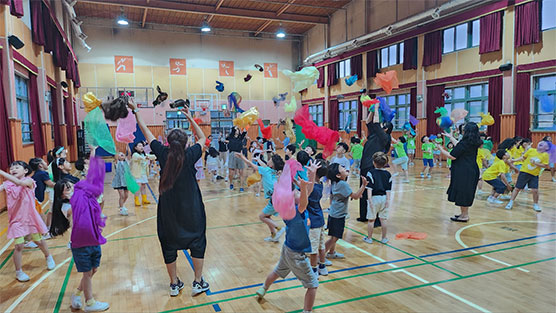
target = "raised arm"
x: 444, y: 152
x: 244, y: 159
x: 359, y: 193
x: 304, y: 187
x: 26, y: 183
x: 148, y: 134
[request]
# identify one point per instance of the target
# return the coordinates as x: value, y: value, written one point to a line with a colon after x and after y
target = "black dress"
x: 464, y: 174
x: 181, y: 218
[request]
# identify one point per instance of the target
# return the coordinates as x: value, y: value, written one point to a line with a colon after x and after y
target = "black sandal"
x: 456, y: 219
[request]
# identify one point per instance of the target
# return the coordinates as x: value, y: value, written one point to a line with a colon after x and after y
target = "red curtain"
x: 16, y: 8
x: 372, y: 64
x: 332, y: 75
x: 413, y: 102
x: 490, y: 32
x: 37, y: 22
x: 55, y: 118
x: 522, y: 104
x: 527, y: 24
x: 495, y: 105
x: 435, y: 99
x: 35, y: 110
x: 356, y: 66
x: 5, y: 2
x: 433, y: 48
x: 6, y: 151
x: 410, y: 54
x: 68, y: 116
x: 333, y: 115
x: 320, y: 81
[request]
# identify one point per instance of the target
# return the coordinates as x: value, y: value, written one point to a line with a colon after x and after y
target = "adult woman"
x: 464, y: 171
x: 181, y: 219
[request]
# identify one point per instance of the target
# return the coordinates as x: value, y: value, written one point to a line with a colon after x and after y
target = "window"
x: 391, y: 55
x: 316, y: 111
x: 473, y: 98
x: 461, y: 37
x: 347, y: 109
x: 344, y: 68
x: 545, y: 93
x: 23, y: 111
x: 400, y: 103
x: 174, y: 119
x: 548, y: 19
x: 48, y: 99
x: 219, y: 122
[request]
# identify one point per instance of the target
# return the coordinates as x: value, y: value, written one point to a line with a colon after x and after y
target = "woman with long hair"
x: 464, y: 173
x: 181, y: 218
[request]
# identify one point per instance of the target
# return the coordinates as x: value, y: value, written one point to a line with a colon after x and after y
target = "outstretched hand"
x: 313, y: 166
x: 131, y: 103
x: 364, y: 181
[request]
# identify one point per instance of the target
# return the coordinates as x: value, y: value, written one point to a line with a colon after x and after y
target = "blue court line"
x: 216, y: 307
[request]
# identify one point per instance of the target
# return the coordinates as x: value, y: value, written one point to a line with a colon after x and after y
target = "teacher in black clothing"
x: 378, y: 140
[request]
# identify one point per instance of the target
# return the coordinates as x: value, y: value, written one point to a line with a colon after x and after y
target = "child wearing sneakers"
x: 357, y: 155
x: 495, y: 176
x: 341, y: 192
x: 297, y: 243
x: 428, y: 162
x: 401, y: 159
x: 378, y: 189
x: 533, y: 161
x: 316, y: 217
x: 269, y: 177
x: 340, y: 157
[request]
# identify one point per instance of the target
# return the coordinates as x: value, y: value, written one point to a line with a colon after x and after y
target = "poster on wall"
x: 270, y: 70
x: 123, y: 64
x: 226, y: 68
x: 177, y: 67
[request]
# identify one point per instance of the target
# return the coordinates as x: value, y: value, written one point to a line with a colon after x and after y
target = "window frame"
x: 316, y: 110
x: 178, y: 121
x: 221, y: 122
x: 536, y: 111
x: 344, y: 68
x: 468, y: 99
x: 397, y: 121
x: 470, y: 26
x: 48, y: 99
x: 399, y: 54
x: 26, y: 135
x: 541, y: 16
x: 351, y: 110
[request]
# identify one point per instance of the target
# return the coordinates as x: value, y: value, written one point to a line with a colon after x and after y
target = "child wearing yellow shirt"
x: 495, y: 176
x: 533, y: 161
x: 482, y: 162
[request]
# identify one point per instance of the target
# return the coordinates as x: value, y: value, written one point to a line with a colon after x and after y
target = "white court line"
x: 6, y: 246
x: 469, y: 303
x: 461, y: 243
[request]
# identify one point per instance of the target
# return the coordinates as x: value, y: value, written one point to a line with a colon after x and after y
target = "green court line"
x: 63, y: 290
x: 411, y: 255
x: 363, y: 274
x: 6, y: 260
x: 425, y: 285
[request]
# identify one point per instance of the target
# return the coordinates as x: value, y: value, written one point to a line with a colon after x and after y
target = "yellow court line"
x: 4, y: 231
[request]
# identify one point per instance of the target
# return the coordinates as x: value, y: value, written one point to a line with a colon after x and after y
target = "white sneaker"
x: 429, y: 176
x: 384, y: 241
x: 199, y: 287
x: 276, y: 237
x: 505, y: 197
x: 422, y: 175
x: 30, y: 245
x: 69, y: 245
x: 368, y: 240
x: 50, y: 264
x: 335, y: 255
x: 509, y: 205
x: 554, y: 179
x: 327, y: 262
x: 21, y: 276
x: 536, y: 207
x: 76, y: 303
x: 494, y: 200
x: 323, y: 271
x: 97, y: 307
x: 175, y: 289
x: 268, y: 239
x: 46, y: 236
x: 480, y: 192
x: 257, y: 194
x: 123, y: 211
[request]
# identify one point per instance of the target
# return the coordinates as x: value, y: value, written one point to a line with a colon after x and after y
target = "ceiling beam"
x: 218, y: 5
x: 278, y: 13
x: 262, y: 27
x: 144, y: 16
x: 302, y: 5
x: 207, y: 9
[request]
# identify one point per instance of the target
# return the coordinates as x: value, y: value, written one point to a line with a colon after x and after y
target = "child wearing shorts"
x: 378, y: 189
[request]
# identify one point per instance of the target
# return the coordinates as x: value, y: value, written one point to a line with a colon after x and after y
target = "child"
x: 410, y: 138
x: 269, y: 175
x: 450, y: 147
x: 310, y: 150
x: 552, y: 168
x: 139, y: 170
x: 256, y: 154
x: 340, y: 158
x: 533, y: 161
x: 316, y: 217
x: 402, y: 158
x: 356, y: 154
x: 292, y: 257
x: 199, y: 167
x: 428, y: 162
x: 341, y: 192
x: 81, y: 166
x: 436, y: 152
x: 482, y: 162
x: 23, y: 216
x: 378, y: 190
x: 119, y: 182
x: 61, y: 170
x: 495, y: 176
x: 61, y: 208
x: 289, y: 151
x: 212, y: 163
x: 42, y: 181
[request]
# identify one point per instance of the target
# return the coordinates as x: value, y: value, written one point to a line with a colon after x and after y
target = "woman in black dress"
x: 181, y: 219
x: 464, y: 171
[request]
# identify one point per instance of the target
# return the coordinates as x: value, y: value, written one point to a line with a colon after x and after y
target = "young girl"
x: 450, y: 147
x: 436, y: 152
x: 23, y: 216
x: 51, y: 157
x: 212, y: 163
x: 402, y: 158
x: 119, y: 183
x: 86, y: 235
x: 552, y: 168
x: 256, y: 155
x: 61, y: 170
x: 410, y: 147
x: 428, y: 162
x: 139, y: 170
x: 42, y: 181
x: 61, y: 208
x: 199, y: 167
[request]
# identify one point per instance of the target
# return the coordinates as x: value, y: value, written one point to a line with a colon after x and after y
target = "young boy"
x: 269, y: 179
x: 341, y: 192
x: 533, y: 161
x: 428, y: 162
x: 402, y: 158
x: 357, y: 155
x: 378, y: 189
x: 340, y: 157
x: 297, y: 243
x: 289, y: 151
x: 316, y: 217
x: 410, y: 147
x: 436, y: 152
x: 495, y: 176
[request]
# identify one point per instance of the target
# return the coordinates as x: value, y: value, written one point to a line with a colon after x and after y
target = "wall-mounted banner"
x: 177, y: 67
x: 123, y: 64
x: 271, y: 70
x: 226, y: 68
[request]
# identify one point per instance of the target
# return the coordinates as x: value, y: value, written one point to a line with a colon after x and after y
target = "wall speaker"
x: 15, y: 42
x: 505, y: 67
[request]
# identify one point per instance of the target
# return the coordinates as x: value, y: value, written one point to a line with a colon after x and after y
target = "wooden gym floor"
x: 500, y: 261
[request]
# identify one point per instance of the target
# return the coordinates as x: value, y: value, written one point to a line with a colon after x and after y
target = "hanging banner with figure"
x: 123, y: 64
x: 271, y: 70
x: 177, y: 67
x: 226, y: 68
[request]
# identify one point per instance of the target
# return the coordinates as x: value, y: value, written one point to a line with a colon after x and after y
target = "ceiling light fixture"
x: 122, y: 20
x: 281, y: 33
x: 205, y: 28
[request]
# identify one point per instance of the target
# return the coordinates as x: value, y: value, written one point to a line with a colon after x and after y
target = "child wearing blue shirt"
x: 269, y: 177
x: 316, y: 232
